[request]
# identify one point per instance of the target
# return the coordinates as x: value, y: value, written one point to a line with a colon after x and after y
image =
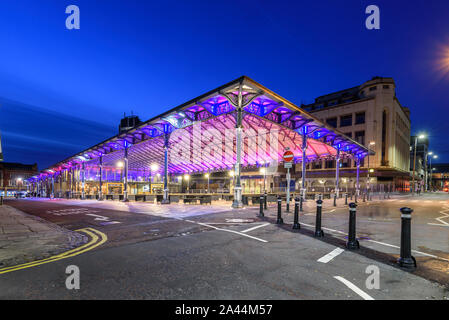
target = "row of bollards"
x: 406, y: 259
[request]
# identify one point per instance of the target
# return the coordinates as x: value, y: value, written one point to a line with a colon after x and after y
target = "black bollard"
x: 335, y: 199
x: 355, y: 197
x: 265, y: 201
x: 287, y: 209
x: 261, y: 206
x: 300, y: 203
x: 346, y: 198
x: 279, y: 219
x: 318, y: 231
x: 296, y: 224
x: 364, y: 195
x: 352, y: 192
x: 352, y: 243
x: 406, y: 260
x: 1, y: 200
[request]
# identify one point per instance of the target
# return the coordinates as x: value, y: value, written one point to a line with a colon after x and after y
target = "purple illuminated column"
x: 237, y: 203
x: 83, y: 177
x: 304, y: 157
x: 358, y: 176
x: 337, y: 172
x: 71, y: 183
x: 166, y: 199
x: 52, y: 195
x: 125, y: 174
x: 100, y: 192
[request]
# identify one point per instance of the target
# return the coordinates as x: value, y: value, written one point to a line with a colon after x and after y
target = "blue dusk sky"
x: 62, y: 90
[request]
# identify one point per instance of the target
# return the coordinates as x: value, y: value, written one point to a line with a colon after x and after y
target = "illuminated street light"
x: 434, y: 156
x: 207, y: 177
x: 187, y: 178
x: 120, y: 164
x: 420, y: 136
x: 154, y: 167
x: 264, y: 172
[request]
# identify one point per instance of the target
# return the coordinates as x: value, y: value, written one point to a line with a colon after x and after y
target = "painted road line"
x: 328, y: 257
x: 354, y: 288
x: 381, y: 243
x: 97, y: 239
x: 231, y: 231
x: 256, y: 227
x: 444, y: 216
x: 416, y: 251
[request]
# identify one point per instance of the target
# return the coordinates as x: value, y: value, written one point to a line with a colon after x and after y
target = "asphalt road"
x: 217, y: 255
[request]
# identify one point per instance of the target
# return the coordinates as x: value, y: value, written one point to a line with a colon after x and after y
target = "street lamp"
x: 187, y: 178
x: 207, y: 176
x: 231, y: 178
x: 371, y: 144
x: 264, y: 172
x: 430, y: 160
x: 421, y: 136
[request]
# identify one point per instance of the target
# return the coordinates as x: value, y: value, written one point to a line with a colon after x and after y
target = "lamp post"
x: 371, y: 144
x: 207, y: 176
x: 264, y: 172
x: 430, y: 169
x: 187, y: 178
x: 153, y: 168
x: 120, y: 165
x: 421, y: 136
x: 231, y: 179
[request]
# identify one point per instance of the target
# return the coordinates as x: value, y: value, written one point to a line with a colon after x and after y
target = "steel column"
x: 358, y: 176
x: 166, y: 198
x: 100, y: 191
x: 52, y: 195
x: 304, y: 149
x: 83, y: 176
x: 337, y: 173
x: 237, y: 203
x: 125, y: 174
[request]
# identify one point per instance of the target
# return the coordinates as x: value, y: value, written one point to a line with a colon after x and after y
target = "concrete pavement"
x: 26, y: 238
x: 239, y: 257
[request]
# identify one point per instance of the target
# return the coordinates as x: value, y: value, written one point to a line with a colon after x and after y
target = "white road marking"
x: 444, y: 215
x: 354, y: 288
x: 381, y: 243
x: 221, y: 229
x: 328, y: 257
x: 256, y: 227
x: 231, y: 231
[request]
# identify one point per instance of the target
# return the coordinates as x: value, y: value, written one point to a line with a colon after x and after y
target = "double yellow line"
x: 97, y: 238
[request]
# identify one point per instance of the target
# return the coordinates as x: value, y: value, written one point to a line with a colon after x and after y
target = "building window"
x: 332, y: 103
x: 384, y: 161
x: 319, y: 106
x: 360, y: 118
x: 332, y: 122
x: 317, y: 164
x: 386, y: 86
x: 346, y: 121
x: 360, y: 137
x: 373, y: 88
x: 345, y: 163
x: 349, y: 134
x: 330, y: 164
